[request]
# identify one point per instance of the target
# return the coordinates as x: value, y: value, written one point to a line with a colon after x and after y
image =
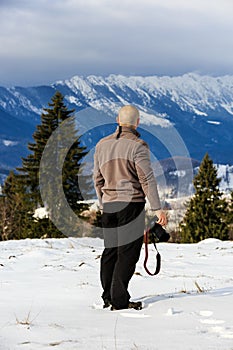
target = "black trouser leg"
x: 109, y: 255
x: 127, y: 258
x: 107, y: 265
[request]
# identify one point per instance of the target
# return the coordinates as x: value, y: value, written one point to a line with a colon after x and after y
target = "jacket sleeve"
x: 146, y: 175
x: 98, y: 179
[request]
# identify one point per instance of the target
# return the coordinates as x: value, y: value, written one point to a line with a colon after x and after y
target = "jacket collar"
x: 129, y: 129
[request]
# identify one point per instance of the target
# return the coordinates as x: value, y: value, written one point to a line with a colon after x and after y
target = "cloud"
x: 47, y: 40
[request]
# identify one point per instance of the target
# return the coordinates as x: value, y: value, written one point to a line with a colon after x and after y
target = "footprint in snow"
x: 134, y: 315
x: 216, y: 328
x: 206, y: 313
x: 171, y: 312
x: 211, y: 321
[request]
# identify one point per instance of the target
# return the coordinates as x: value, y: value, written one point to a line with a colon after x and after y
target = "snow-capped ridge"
x: 198, y: 107
x: 191, y: 91
x: 151, y: 119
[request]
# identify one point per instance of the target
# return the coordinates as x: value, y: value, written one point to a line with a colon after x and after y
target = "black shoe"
x: 137, y: 305
x: 132, y: 305
x: 107, y: 303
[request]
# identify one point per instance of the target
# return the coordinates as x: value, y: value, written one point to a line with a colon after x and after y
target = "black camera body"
x: 159, y: 232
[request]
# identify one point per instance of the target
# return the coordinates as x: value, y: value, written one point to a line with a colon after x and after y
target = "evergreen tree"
x: 2, y: 215
x: 230, y: 216
x: 206, y: 211
x: 50, y: 120
x: 73, y: 173
x: 25, y: 183
x: 16, y: 208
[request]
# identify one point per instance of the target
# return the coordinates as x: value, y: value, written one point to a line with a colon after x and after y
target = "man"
x: 123, y: 177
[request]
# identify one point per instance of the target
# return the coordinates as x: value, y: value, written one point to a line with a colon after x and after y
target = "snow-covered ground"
x: 50, y: 298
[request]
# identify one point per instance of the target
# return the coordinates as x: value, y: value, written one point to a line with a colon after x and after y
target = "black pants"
x: 123, y: 227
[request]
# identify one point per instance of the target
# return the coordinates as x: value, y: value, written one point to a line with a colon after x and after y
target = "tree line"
x: 208, y: 214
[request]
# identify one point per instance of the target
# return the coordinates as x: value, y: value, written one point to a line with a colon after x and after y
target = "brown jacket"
x: 122, y: 169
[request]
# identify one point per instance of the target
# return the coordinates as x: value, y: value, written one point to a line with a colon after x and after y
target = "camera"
x: 158, y: 231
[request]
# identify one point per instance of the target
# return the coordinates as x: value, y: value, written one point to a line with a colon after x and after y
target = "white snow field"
x: 50, y: 298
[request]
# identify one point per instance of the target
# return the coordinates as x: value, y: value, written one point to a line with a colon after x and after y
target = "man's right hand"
x: 162, y: 217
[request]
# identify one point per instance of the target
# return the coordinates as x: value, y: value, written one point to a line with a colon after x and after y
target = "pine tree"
x: 2, y: 215
x: 206, y: 211
x: 26, y: 180
x: 50, y: 120
x: 73, y: 173
x: 16, y: 208
x: 230, y: 216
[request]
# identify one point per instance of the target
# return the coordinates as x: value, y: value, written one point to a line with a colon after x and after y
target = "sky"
x: 48, y: 40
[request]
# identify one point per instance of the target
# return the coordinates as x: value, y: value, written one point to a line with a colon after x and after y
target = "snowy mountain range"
x: 184, y: 116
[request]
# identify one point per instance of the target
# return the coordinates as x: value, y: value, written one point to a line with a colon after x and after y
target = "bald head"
x: 129, y: 116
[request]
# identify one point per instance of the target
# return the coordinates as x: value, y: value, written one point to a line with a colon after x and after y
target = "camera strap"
x: 158, y: 256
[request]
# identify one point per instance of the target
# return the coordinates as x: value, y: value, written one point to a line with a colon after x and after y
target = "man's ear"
x: 117, y: 119
x: 138, y: 121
